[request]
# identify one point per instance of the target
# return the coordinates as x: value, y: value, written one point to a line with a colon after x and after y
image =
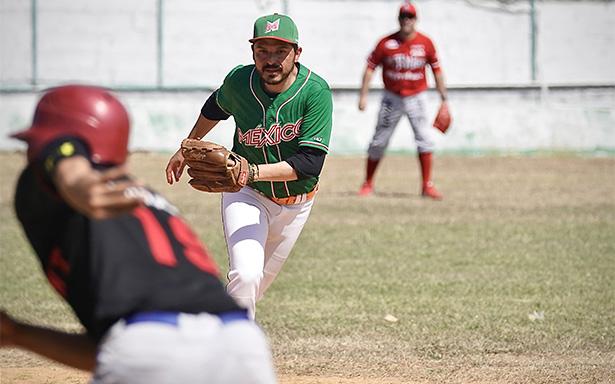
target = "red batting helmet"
x: 89, y: 113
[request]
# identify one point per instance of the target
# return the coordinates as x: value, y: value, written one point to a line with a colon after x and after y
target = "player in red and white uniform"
x: 403, y: 55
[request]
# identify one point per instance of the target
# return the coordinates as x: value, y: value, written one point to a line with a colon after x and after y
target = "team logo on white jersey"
x: 272, y: 26
x: 391, y: 44
x: 402, y: 62
x: 259, y: 137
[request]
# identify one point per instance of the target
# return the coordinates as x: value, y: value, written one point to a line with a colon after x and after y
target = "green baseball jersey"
x: 271, y: 129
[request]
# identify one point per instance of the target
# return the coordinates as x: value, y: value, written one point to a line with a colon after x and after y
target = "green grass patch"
x: 518, y: 261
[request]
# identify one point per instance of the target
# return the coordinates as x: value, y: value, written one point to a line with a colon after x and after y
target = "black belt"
x: 172, y: 318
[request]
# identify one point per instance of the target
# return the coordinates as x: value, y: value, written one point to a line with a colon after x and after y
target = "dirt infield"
x: 22, y: 368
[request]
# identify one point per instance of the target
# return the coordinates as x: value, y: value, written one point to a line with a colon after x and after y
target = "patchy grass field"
x: 510, y: 279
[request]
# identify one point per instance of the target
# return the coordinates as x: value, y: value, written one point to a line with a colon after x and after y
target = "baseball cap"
x: 276, y: 26
x: 407, y: 9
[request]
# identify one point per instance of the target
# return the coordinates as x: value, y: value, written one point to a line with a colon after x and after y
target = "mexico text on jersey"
x: 270, y: 128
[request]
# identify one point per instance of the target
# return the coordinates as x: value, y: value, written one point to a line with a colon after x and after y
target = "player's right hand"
x: 175, y: 167
x: 362, y: 103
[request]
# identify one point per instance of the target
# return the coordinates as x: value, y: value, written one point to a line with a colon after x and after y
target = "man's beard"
x: 274, y: 81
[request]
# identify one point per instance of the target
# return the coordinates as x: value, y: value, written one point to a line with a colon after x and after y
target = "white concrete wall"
x: 114, y: 43
x: 488, y: 120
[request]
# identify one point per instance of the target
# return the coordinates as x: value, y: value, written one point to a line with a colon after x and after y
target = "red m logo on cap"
x: 272, y: 26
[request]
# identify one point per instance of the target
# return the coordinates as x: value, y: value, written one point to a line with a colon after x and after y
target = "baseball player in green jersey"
x: 283, y: 116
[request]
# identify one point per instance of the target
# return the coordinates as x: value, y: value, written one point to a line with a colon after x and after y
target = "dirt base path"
x: 61, y: 375
x: 593, y: 368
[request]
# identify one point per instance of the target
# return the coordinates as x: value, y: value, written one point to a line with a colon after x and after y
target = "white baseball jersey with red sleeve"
x: 403, y: 62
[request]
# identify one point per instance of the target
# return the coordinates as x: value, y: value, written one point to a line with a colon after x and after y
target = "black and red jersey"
x: 147, y: 260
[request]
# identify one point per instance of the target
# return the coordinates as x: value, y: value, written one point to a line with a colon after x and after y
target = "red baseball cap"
x: 407, y: 9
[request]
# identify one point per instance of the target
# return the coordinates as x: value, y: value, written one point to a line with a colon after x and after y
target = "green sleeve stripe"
x: 315, y: 144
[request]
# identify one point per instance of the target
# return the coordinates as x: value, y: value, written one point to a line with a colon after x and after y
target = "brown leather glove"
x: 214, y: 168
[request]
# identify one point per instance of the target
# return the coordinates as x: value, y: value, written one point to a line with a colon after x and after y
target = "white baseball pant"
x: 392, y: 108
x: 197, y: 349
x: 259, y: 236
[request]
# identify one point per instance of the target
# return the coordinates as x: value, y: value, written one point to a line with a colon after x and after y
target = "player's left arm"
x: 75, y: 350
x: 434, y: 63
x: 441, y: 85
x: 306, y: 163
x: 280, y: 171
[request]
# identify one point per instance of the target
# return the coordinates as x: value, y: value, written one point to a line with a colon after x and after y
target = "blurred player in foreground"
x: 144, y: 288
x: 403, y: 56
